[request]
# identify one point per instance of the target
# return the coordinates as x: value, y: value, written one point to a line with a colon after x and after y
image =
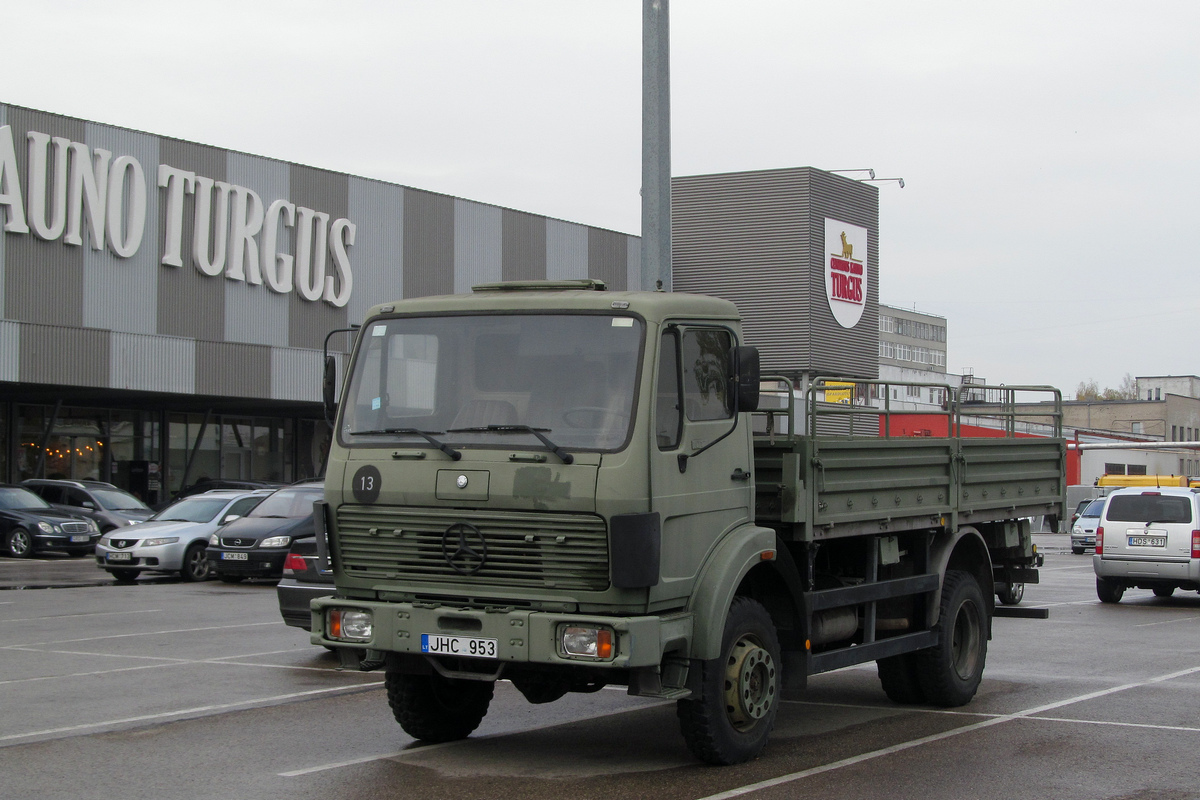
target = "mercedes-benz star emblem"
x: 464, y: 548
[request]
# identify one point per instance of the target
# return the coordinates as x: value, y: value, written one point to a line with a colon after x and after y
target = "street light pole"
x: 656, y: 147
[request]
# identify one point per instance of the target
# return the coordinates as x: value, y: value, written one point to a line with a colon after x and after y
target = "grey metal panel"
x: 296, y: 374
x: 152, y: 363
x: 43, y: 281
x: 377, y: 257
x: 328, y: 192
x: 838, y: 350
x: 757, y: 239
x: 478, y: 245
x: 567, y: 250
x: 524, y: 246
x: 190, y: 303
x: 61, y: 355
x: 122, y: 293
x: 10, y: 351
x: 3, y: 217
x: 227, y: 369
x: 254, y: 313
x: 608, y: 258
x: 428, y: 243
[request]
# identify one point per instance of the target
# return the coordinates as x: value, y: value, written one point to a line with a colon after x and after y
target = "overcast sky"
x: 1049, y: 149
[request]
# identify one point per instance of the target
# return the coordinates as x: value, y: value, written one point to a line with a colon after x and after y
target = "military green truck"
x: 568, y: 488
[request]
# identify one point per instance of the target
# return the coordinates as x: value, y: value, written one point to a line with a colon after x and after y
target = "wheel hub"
x: 751, y: 679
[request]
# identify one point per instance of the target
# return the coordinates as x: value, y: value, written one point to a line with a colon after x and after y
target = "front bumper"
x: 521, y: 636
x: 61, y: 542
x: 160, y: 558
x: 257, y: 564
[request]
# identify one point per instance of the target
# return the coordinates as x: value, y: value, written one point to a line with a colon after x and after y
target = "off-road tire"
x: 436, y: 709
x: 730, y: 720
x: 19, y: 543
x: 1109, y: 591
x: 231, y: 578
x: 1077, y: 550
x: 196, y: 566
x: 950, y: 671
x: 1164, y: 591
x: 898, y: 674
x: 124, y: 575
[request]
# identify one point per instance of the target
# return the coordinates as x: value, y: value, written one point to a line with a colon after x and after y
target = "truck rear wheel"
x: 950, y: 671
x: 731, y: 719
x: 898, y: 674
x: 437, y: 709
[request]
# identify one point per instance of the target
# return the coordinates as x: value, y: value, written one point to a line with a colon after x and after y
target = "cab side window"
x: 668, y: 421
x: 705, y: 373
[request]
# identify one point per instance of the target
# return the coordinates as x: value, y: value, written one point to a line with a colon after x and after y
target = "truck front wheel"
x: 730, y: 721
x: 437, y: 709
x: 950, y: 672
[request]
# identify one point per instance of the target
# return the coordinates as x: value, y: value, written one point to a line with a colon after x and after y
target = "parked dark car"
x: 256, y: 545
x: 301, y: 582
x: 29, y: 525
x: 110, y: 506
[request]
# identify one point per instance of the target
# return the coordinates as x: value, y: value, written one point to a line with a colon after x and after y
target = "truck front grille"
x: 524, y: 549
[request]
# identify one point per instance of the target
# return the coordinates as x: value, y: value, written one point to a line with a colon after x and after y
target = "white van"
x: 1148, y: 538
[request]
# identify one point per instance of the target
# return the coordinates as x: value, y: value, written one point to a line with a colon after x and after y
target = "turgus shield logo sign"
x: 845, y: 271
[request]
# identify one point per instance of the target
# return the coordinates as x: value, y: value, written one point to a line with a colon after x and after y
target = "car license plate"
x: 235, y: 556
x: 119, y: 557
x: 1147, y: 541
x: 436, y: 644
x: 80, y: 537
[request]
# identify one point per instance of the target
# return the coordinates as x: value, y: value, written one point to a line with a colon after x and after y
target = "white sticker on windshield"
x: 622, y: 322
x: 379, y: 330
x: 376, y: 403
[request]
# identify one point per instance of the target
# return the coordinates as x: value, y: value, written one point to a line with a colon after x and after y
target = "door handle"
x: 740, y: 475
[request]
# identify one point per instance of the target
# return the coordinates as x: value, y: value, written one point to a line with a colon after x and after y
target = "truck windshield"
x: 483, y: 380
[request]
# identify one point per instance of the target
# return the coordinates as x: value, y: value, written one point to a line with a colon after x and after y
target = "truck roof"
x: 581, y: 295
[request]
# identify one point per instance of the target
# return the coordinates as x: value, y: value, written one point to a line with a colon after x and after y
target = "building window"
x: 1173, y: 434
x: 1149, y: 394
x: 1158, y: 394
x: 1135, y: 469
x: 1114, y: 469
x: 1137, y: 427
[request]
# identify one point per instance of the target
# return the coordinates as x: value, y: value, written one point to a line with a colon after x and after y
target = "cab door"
x: 699, y: 496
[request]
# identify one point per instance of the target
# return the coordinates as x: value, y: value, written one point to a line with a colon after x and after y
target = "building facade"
x: 165, y: 303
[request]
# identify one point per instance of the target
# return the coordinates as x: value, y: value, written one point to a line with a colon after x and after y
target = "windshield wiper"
x: 427, y: 435
x: 566, y: 457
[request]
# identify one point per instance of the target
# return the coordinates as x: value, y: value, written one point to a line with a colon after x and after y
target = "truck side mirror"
x: 744, y: 377
x: 329, y: 388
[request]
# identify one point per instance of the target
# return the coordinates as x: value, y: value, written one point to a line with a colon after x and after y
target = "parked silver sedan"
x: 175, y: 539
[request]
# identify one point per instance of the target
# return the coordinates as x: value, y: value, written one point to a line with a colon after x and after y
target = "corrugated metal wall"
x: 77, y: 316
x: 758, y: 239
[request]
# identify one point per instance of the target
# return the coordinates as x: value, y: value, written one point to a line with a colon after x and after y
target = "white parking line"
x: 113, y: 724
x: 163, y: 661
x: 143, y: 633
x: 937, y: 737
x: 87, y: 614
x: 1166, y: 622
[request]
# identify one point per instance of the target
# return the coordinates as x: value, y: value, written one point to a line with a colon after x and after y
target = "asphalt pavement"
x: 177, y: 691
